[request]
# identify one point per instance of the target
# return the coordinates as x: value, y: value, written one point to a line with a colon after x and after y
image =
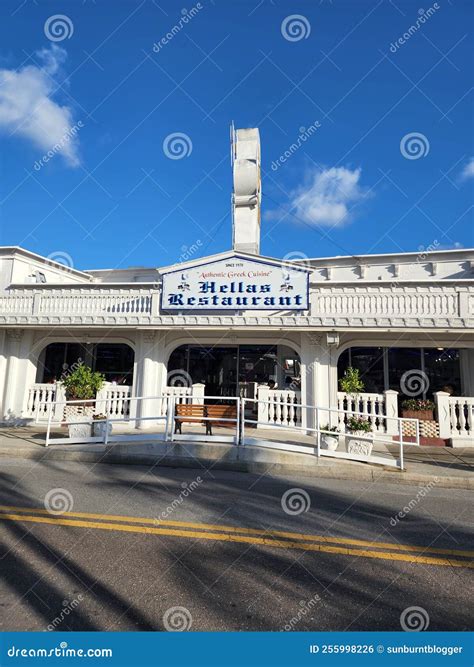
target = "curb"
x: 322, y: 471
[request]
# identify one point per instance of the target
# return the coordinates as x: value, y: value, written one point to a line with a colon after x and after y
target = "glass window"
x: 54, y: 359
x: 370, y: 362
x: 405, y: 361
x: 443, y: 370
x: 224, y: 369
x: 115, y: 362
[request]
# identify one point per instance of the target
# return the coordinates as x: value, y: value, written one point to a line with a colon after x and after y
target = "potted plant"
x: 81, y: 384
x: 329, y: 441
x: 357, y: 427
x: 100, y: 426
x: 351, y: 383
x: 418, y: 408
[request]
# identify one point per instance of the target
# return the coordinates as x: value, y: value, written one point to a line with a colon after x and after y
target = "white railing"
x: 381, y: 409
x: 338, y: 304
x: 358, y: 446
x: 280, y: 407
x: 177, y: 394
x: 80, y: 300
x: 40, y: 396
x: 455, y: 416
x: 112, y: 400
x: 388, y: 300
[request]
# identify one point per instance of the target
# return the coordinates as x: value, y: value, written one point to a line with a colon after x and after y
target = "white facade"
x: 409, y: 300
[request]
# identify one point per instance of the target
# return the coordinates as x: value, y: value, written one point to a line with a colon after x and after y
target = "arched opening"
x: 114, y: 360
x: 234, y: 370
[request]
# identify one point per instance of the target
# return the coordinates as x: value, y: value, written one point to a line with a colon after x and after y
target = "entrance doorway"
x: 236, y: 370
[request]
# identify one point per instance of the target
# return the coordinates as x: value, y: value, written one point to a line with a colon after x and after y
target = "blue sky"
x: 333, y: 73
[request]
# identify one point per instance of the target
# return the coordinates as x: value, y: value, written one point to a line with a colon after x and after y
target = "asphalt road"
x: 211, y: 550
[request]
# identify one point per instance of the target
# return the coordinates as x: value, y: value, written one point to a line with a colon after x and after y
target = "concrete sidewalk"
x: 449, y: 468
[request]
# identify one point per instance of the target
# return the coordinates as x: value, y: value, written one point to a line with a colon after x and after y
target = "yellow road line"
x: 250, y: 531
x: 247, y: 539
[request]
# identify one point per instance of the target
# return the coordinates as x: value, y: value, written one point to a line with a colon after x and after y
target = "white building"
x: 234, y: 321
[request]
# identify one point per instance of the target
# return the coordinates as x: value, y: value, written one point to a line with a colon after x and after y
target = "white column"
x: 149, y: 368
x: 3, y: 367
x: 12, y: 399
x: 318, y: 385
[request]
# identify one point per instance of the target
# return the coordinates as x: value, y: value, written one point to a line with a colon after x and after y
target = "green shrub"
x: 351, y: 383
x: 82, y: 383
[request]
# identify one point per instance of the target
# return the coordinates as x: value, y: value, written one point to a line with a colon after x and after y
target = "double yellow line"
x: 274, y: 538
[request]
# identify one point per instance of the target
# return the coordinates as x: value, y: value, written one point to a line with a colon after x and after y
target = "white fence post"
x: 198, y: 392
x: 263, y: 394
x: 101, y: 405
x: 443, y: 414
x: 60, y: 397
x: 391, y: 410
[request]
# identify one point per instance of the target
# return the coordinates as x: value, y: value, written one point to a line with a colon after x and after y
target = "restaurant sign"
x: 236, y: 284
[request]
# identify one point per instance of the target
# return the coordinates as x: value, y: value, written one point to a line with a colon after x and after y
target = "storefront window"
x: 442, y: 369
x: 115, y: 361
x: 405, y: 369
x: 369, y: 361
x: 228, y: 371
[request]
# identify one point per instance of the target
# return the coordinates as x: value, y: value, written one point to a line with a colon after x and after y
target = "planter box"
x: 424, y: 415
x: 80, y: 427
x: 329, y: 442
x: 359, y: 447
x: 98, y: 429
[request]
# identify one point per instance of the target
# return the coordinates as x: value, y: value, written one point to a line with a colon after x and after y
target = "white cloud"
x: 468, y: 171
x: 328, y: 196
x: 27, y: 108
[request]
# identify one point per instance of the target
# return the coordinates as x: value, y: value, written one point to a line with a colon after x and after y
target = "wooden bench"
x: 195, y: 413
